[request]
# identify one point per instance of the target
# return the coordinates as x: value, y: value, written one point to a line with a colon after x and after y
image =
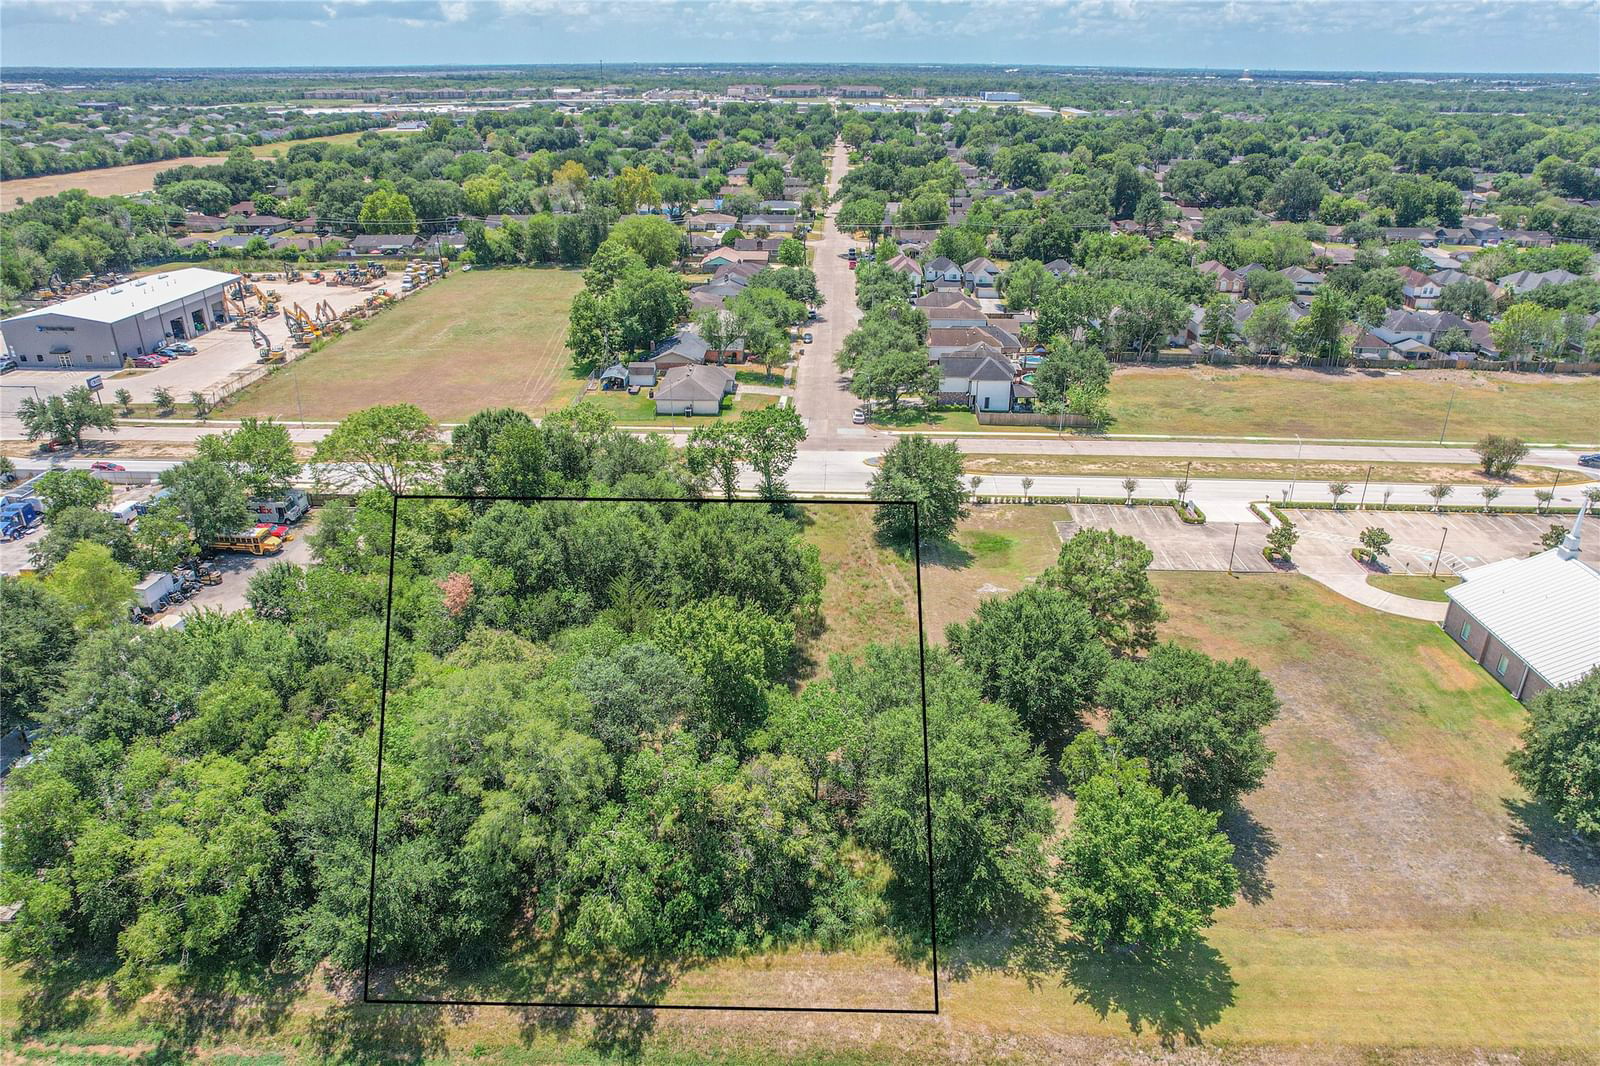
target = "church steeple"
x: 1573, y: 540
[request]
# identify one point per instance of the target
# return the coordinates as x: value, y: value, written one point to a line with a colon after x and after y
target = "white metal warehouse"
x: 101, y: 329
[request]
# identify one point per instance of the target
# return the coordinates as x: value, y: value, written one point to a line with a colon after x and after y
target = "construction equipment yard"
x: 225, y: 355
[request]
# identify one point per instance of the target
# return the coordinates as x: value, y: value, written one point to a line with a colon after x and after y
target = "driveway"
x: 1176, y: 544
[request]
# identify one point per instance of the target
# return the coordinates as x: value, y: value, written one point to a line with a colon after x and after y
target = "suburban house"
x: 941, y: 268
x: 1531, y: 622
x: 1230, y: 281
x: 693, y: 390
x: 1529, y: 280
x: 980, y: 273
x: 732, y: 257
x: 1421, y: 326
x: 982, y: 382
x: 384, y: 244
x: 715, y: 221
x: 945, y: 341
x: 1306, y: 282
x: 261, y: 225
x: 1060, y: 268
x: 1371, y: 346
x: 1417, y: 289
x: 955, y: 316
x: 195, y: 222
x: 769, y: 222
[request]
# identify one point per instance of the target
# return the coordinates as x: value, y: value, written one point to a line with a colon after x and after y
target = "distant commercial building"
x: 1002, y: 97
x: 103, y: 328
x: 864, y: 91
x: 1534, y: 623
x: 796, y: 90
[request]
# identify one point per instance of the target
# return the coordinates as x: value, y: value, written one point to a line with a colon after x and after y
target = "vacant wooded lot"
x: 482, y: 338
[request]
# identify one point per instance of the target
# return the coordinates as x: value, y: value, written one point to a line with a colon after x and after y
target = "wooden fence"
x: 1026, y: 418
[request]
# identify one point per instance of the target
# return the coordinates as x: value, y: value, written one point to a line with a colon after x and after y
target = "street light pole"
x: 1439, y: 556
x: 1448, y: 408
x: 1232, y: 546
x: 1300, y: 447
x: 1364, y: 485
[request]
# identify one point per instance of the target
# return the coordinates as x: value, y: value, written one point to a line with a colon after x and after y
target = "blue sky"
x: 1436, y: 35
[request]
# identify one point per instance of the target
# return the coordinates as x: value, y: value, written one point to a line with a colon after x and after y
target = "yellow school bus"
x: 254, y: 541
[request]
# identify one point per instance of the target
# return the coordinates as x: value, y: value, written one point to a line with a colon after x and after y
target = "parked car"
x: 806, y: 338
x: 860, y: 417
x: 7, y: 365
x: 183, y: 349
x: 109, y: 468
x: 147, y: 362
x: 1589, y: 460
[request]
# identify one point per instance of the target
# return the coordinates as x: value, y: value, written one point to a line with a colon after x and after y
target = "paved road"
x: 822, y: 397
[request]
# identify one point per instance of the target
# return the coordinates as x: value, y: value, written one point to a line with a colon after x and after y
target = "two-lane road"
x: 823, y: 397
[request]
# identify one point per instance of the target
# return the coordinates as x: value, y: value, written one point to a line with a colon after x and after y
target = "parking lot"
x: 1469, y: 539
x: 219, y: 353
x: 1176, y: 544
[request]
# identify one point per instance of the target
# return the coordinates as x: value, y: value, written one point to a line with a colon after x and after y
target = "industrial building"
x: 1534, y: 623
x: 101, y: 329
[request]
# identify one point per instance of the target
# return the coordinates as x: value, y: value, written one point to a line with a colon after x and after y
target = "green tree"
x: 737, y: 651
x: 1141, y: 868
x: 1217, y: 328
x: 714, y: 453
x: 390, y: 446
x: 209, y: 499
x: 73, y: 525
x: 1321, y: 332
x: 771, y: 437
x: 162, y: 540
x: 1498, y: 455
x: 1025, y: 284
x: 39, y: 644
x: 917, y: 471
x: 890, y: 375
x: 1281, y: 540
x: 1195, y: 720
x: 95, y: 588
x: 1268, y: 328
x: 1038, y: 652
x: 1559, y: 761
x: 125, y: 401
x: 986, y: 785
x: 1376, y: 540
x: 64, y: 417
x: 1109, y: 574
x: 164, y: 400
x: 61, y: 489
x: 653, y: 238
x: 259, y: 453
x: 590, y: 334
x: 386, y: 211
x: 791, y: 253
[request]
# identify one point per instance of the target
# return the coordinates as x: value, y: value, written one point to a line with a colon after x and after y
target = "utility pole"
x: 1364, y: 485
x: 1232, y: 546
x: 1448, y: 408
x: 1436, y: 558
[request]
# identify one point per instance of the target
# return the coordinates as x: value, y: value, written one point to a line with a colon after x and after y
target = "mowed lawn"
x: 484, y: 338
x: 1410, y: 406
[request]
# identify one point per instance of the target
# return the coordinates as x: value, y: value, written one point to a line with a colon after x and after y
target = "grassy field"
x: 108, y: 181
x: 267, y: 151
x: 1307, y: 470
x: 1217, y: 402
x: 474, y: 340
x: 1402, y: 902
x: 1417, y: 587
x: 640, y: 410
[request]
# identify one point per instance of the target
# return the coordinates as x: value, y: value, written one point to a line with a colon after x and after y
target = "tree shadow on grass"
x: 1254, y: 845
x: 59, y: 997
x: 1176, y: 994
x: 1535, y: 830
x: 225, y: 1004
x: 378, y: 1033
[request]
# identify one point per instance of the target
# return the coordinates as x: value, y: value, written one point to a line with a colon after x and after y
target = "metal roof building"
x: 1533, y: 623
x: 103, y: 328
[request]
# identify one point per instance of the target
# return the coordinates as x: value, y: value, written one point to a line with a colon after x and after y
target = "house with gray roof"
x: 693, y: 390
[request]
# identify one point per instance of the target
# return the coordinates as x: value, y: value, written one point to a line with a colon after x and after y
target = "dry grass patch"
x: 1212, y: 401
x: 1310, y: 470
x: 488, y: 338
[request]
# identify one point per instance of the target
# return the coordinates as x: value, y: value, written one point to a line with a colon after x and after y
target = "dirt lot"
x: 109, y: 181
x: 1176, y: 544
x: 477, y: 339
x: 1471, y: 540
x: 1217, y: 401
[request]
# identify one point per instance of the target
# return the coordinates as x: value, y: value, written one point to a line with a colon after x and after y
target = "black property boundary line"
x: 383, y: 702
